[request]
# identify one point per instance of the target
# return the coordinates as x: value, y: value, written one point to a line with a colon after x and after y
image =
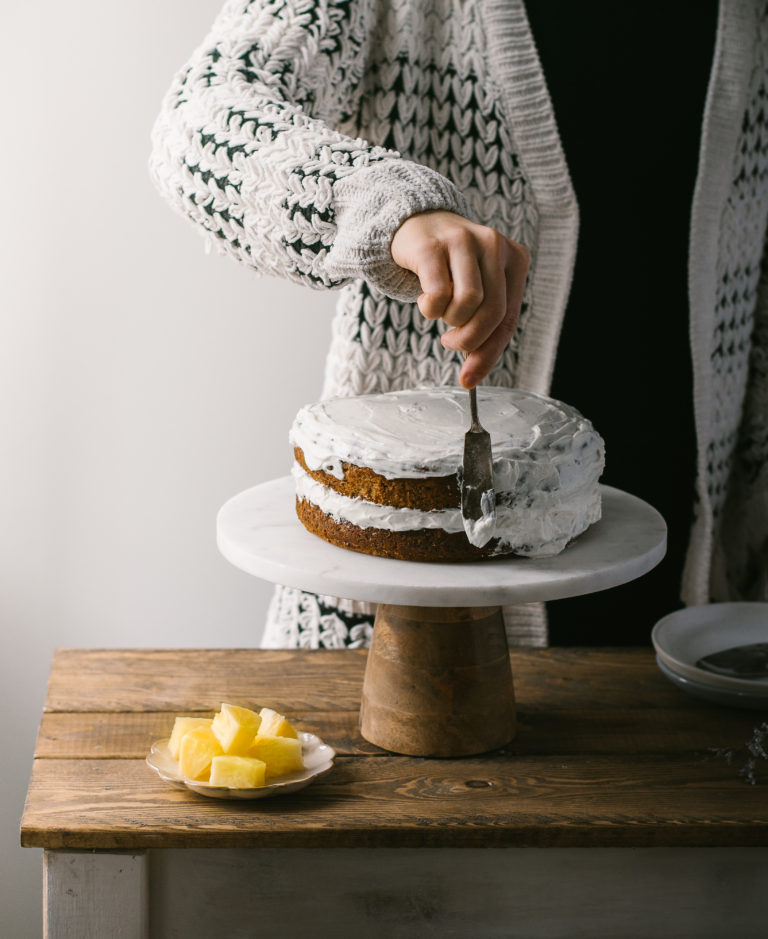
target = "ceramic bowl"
x: 685, y: 636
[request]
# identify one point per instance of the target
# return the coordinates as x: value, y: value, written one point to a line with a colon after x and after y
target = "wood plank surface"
x: 609, y: 753
x: 198, y: 680
x: 592, y: 801
x: 120, y: 735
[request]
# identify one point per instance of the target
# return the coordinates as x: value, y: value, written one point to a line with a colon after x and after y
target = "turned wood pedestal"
x: 438, y: 681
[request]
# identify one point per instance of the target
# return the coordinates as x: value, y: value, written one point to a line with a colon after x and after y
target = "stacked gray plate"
x: 683, y: 638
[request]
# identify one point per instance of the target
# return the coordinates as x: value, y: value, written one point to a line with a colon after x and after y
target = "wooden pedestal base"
x: 438, y: 681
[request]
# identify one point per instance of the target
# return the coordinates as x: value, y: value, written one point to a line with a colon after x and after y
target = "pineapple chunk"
x: 237, y: 772
x: 198, y: 747
x: 235, y: 728
x: 281, y: 754
x: 275, y: 725
x: 180, y: 726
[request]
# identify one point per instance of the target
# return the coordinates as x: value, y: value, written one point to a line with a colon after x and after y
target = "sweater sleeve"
x: 238, y: 148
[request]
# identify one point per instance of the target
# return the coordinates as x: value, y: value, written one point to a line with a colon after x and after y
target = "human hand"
x: 472, y: 277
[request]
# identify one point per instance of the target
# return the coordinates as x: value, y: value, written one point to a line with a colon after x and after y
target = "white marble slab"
x: 258, y: 532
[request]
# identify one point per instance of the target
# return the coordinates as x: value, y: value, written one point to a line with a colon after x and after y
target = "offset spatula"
x: 478, y: 501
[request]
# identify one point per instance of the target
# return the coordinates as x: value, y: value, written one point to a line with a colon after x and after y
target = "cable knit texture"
x: 728, y: 554
x: 303, y: 132
x: 371, y: 205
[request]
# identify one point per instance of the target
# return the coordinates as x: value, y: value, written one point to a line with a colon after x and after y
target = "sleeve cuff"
x: 370, y: 205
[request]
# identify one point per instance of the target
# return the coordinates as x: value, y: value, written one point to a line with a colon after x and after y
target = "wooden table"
x: 607, y: 815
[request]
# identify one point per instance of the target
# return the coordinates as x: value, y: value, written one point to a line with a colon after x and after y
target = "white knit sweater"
x: 303, y: 132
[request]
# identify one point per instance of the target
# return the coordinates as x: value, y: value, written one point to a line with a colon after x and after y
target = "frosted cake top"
x: 420, y: 432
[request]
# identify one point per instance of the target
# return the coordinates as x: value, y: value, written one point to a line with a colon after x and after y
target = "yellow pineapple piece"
x: 237, y: 772
x: 281, y: 754
x: 275, y: 725
x: 180, y: 726
x: 235, y: 728
x: 198, y: 747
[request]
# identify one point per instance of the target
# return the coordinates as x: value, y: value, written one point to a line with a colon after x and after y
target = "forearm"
x: 237, y: 150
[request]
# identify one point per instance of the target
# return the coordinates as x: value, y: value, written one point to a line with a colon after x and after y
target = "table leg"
x: 438, y: 681
x: 95, y: 895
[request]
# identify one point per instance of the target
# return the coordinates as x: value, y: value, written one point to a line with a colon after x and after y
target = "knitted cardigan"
x: 300, y: 135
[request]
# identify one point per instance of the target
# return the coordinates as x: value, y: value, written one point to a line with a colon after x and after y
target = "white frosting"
x: 547, y: 460
x: 479, y: 531
x: 531, y: 532
x: 414, y: 433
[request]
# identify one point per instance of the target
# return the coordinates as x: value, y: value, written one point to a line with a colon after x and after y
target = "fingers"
x: 452, y: 283
x: 480, y: 361
x: 478, y: 327
x: 472, y: 277
x: 486, y: 336
x: 469, y: 283
x: 434, y: 275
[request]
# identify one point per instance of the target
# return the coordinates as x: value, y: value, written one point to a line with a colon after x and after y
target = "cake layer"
x: 531, y: 531
x: 379, y: 473
x: 361, y: 482
x: 417, y: 545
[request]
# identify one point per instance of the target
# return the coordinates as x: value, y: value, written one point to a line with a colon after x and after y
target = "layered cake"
x: 380, y: 473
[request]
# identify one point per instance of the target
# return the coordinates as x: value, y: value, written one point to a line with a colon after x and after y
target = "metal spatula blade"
x: 478, y: 501
x: 749, y: 661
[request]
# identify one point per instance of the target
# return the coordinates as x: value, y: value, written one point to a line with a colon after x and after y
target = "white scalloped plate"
x: 317, y: 756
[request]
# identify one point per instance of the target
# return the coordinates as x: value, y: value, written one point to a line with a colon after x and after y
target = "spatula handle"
x: 473, y: 410
x: 473, y: 405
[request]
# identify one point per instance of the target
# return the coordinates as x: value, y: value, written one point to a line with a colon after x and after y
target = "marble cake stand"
x: 438, y: 680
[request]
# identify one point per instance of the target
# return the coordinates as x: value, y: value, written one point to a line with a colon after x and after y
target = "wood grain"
x: 391, y: 802
x: 438, y: 681
x: 608, y: 753
x: 120, y: 735
x: 198, y: 680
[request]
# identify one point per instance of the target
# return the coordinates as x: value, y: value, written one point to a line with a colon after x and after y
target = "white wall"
x: 142, y: 382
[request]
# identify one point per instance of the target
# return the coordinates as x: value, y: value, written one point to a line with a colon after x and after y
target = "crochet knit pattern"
x: 302, y: 133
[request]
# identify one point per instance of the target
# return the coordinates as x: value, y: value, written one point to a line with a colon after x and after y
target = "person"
x: 408, y: 154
